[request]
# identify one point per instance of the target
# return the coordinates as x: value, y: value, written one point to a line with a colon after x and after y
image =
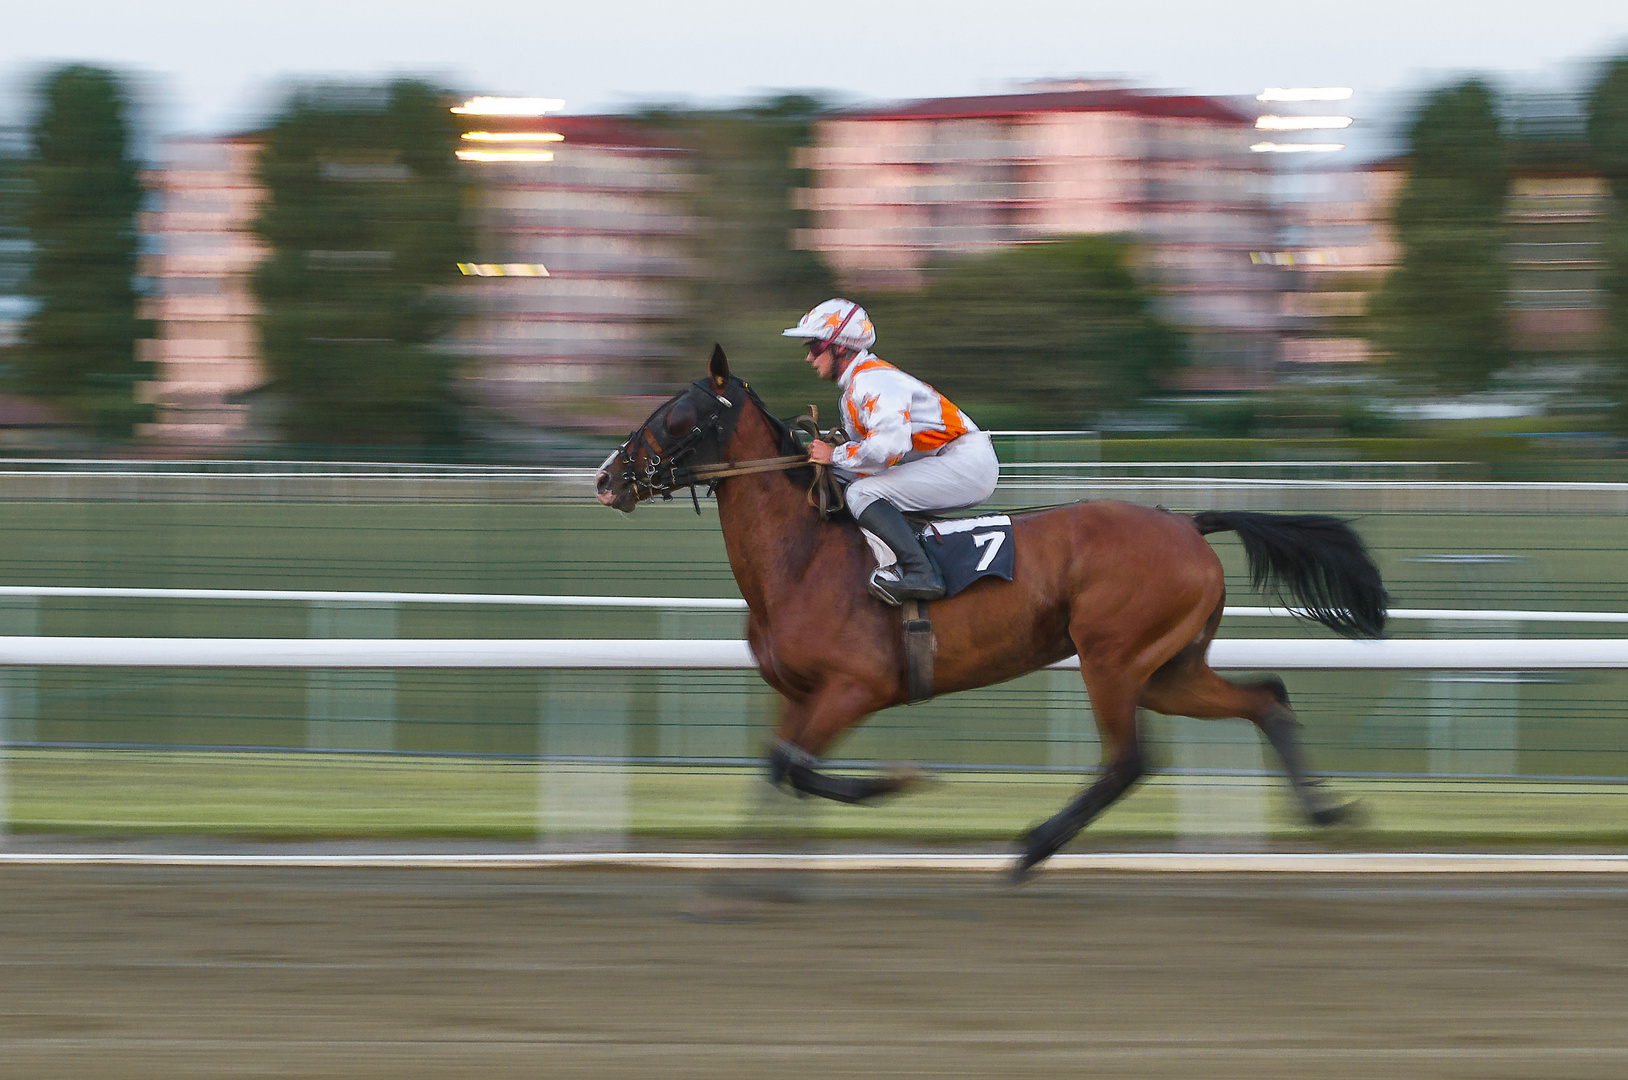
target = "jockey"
x: 909, y: 449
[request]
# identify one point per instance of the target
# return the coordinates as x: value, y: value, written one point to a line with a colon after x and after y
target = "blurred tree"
x: 1052, y: 333
x: 80, y: 210
x: 366, y: 218
x: 1608, y: 125
x: 1608, y: 151
x: 1440, y: 313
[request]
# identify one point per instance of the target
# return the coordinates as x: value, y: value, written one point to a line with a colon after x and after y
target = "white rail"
x: 325, y: 596
x: 1230, y: 654
x: 687, y: 603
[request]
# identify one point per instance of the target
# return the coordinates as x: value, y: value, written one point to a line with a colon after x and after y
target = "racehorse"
x: 1136, y: 593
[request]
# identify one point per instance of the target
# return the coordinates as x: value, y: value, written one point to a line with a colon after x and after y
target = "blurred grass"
x: 310, y: 796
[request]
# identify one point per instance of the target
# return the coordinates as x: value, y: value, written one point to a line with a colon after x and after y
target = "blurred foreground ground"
x: 175, y: 973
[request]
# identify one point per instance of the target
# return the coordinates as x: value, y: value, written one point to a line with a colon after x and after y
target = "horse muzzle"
x: 609, y: 492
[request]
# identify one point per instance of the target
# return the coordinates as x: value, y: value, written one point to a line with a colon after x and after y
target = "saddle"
x: 964, y: 549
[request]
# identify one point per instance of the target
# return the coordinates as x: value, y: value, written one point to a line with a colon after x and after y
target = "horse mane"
x: 800, y: 477
x: 787, y: 443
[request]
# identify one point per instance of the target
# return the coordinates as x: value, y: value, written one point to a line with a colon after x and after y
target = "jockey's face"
x: 827, y: 360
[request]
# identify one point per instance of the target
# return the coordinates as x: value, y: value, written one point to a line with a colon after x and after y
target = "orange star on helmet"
x: 833, y: 320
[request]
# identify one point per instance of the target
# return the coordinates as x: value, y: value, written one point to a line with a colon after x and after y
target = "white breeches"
x: 962, y: 474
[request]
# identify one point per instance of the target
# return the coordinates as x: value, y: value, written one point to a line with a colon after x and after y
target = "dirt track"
x: 180, y: 973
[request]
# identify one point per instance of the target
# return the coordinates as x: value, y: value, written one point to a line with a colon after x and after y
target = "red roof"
x: 1183, y: 107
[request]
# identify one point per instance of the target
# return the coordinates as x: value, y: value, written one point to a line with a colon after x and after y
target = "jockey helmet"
x: 836, y: 322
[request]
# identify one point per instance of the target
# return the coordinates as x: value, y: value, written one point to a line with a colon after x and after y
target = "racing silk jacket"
x: 892, y: 417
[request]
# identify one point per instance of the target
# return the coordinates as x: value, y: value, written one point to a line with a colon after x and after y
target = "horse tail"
x: 1317, y: 560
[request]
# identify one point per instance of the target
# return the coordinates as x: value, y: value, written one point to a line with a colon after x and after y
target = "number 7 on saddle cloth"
x: 967, y: 549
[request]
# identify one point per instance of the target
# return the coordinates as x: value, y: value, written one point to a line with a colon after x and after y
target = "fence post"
x: 1072, y: 741
x: 702, y: 714
x: 1474, y: 717
x: 1221, y: 801
x: 1474, y: 723
x: 20, y: 617
x: 5, y: 764
x: 345, y: 709
x: 19, y: 697
x: 582, y: 746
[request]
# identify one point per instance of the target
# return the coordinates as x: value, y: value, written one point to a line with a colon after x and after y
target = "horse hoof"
x: 1350, y: 814
x: 1038, y: 846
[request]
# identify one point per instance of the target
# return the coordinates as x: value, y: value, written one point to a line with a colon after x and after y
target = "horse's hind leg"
x: 1186, y: 686
x: 1113, y: 702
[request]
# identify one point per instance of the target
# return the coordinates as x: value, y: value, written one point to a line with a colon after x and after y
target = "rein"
x: 705, y: 474
x: 664, y: 473
x: 823, y: 493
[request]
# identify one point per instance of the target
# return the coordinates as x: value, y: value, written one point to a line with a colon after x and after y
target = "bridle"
x: 665, y: 469
x: 669, y: 460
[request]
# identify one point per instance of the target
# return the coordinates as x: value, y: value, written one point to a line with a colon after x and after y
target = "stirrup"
x: 888, y: 586
x: 878, y: 586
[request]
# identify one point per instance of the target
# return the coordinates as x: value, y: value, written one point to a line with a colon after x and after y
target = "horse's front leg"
x: 807, y: 726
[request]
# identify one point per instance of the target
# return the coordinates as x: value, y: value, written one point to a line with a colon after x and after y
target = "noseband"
x: 665, y: 468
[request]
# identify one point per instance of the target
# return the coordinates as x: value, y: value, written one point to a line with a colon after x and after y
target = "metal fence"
x: 321, y: 558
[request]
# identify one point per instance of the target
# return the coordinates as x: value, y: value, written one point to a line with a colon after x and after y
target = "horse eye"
x: 681, y: 418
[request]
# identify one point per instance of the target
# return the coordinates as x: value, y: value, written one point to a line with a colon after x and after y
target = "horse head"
x: 691, y: 429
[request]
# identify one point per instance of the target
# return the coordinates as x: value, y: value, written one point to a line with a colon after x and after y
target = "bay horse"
x: 1136, y: 593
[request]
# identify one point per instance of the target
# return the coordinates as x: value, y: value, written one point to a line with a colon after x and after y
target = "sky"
x: 223, y: 65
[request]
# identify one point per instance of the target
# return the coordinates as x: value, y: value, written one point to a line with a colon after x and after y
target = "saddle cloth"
x: 967, y: 549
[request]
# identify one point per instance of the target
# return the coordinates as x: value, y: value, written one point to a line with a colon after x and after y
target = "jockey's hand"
x: 819, y: 452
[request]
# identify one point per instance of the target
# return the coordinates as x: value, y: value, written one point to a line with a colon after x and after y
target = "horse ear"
x: 719, y: 366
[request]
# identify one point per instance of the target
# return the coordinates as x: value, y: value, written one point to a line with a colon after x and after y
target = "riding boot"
x: 914, y: 576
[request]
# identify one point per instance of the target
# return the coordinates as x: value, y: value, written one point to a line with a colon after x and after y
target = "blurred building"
x: 1557, y: 300
x: 199, y: 252
x: 572, y: 299
x: 1555, y: 218
x: 586, y: 262
x: 897, y: 188
x: 1336, y: 246
x: 15, y: 249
